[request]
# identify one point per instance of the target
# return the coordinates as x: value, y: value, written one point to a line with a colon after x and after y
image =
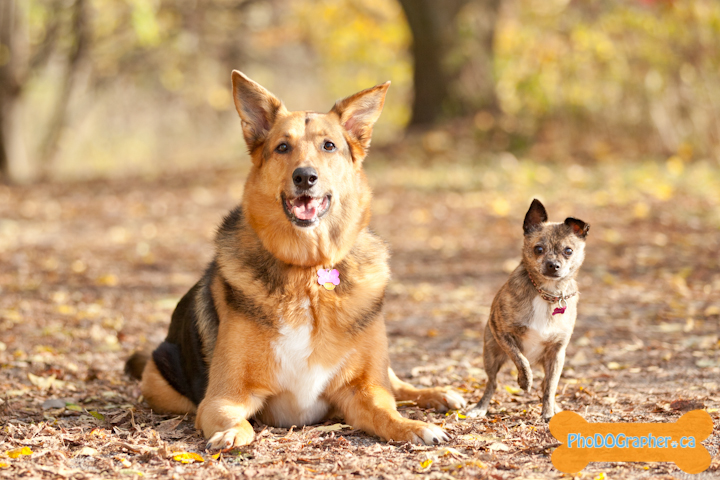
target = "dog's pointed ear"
x: 257, y: 108
x: 535, y: 217
x: 358, y: 113
x: 579, y: 227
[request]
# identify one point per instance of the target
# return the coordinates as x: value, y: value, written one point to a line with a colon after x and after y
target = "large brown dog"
x: 266, y: 333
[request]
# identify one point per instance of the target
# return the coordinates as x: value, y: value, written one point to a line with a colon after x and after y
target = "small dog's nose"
x: 552, y: 265
x: 305, y: 177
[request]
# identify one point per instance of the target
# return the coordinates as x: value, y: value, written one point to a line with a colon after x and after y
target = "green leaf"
x: 97, y: 415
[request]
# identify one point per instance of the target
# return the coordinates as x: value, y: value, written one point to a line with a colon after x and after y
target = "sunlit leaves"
x: 145, y: 23
x: 359, y: 44
x: 17, y: 452
x: 187, y: 457
x: 647, y: 69
x: 331, y: 428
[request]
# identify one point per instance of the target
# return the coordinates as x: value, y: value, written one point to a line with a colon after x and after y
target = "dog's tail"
x: 136, y: 364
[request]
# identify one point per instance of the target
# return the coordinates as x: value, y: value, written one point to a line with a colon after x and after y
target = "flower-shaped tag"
x: 559, y: 310
x: 328, y: 278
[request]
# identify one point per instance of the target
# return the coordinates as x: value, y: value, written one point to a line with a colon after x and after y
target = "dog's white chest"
x: 541, y: 328
x: 301, y: 383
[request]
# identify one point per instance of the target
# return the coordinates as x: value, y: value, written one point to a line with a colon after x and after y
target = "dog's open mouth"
x: 305, y: 210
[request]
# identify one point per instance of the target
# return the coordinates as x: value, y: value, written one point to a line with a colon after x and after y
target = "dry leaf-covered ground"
x: 91, y: 271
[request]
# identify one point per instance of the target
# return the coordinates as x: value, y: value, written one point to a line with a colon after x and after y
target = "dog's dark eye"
x: 539, y: 249
x: 329, y: 146
x: 567, y: 251
x: 282, y: 148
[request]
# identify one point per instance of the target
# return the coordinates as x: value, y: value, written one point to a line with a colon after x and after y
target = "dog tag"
x: 559, y: 310
x: 328, y: 278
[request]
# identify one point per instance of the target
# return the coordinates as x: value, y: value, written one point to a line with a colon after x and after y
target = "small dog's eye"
x: 539, y: 250
x: 568, y: 251
x: 329, y: 146
x: 282, y: 148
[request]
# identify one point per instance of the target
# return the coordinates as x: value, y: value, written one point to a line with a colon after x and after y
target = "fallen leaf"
x: 15, y: 453
x: 126, y: 471
x: 473, y: 437
x: 456, y: 412
x: 513, y: 390
x: 448, y: 451
x: 426, y: 463
x: 169, y: 425
x: 73, y: 407
x: 4, y: 465
x: 43, y: 383
x: 331, y: 428
x: 86, y: 452
x: 498, y: 447
x: 97, y: 415
x: 474, y: 463
x: 187, y: 457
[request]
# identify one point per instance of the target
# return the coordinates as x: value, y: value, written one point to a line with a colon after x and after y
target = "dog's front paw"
x: 525, y: 379
x: 477, y: 412
x: 233, y: 437
x: 546, y: 416
x: 421, y: 433
x: 549, y: 411
x: 441, y: 399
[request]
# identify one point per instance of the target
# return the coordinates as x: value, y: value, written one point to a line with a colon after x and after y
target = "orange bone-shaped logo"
x: 677, y: 442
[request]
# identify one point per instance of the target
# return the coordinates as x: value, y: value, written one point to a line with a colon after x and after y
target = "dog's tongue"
x: 305, y: 208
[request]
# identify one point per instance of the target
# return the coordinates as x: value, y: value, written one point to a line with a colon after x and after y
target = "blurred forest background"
x: 94, y: 88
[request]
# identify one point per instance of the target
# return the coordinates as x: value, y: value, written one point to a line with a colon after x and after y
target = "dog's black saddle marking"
x: 180, y: 358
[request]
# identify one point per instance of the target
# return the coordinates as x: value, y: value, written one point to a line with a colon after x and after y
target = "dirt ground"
x: 90, y: 271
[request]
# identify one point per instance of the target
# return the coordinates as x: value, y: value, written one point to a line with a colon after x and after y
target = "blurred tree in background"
x: 452, y: 50
x: 612, y: 78
x: 101, y: 87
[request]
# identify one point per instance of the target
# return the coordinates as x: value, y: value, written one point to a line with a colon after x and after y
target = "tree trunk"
x: 13, y: 159
x: 58, y: 118
x: 452, y: 49
x: 7, y: 82
x: 4, y: 160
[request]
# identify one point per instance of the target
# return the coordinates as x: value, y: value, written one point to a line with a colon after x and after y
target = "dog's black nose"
x: 552, y: 265
x: 305, y: 177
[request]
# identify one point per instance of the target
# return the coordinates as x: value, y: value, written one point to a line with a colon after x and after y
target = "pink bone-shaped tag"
x: 328, y: 276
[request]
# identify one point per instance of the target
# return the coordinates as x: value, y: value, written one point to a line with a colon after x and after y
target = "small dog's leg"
x: 439, y: 398
x: 553, y: 365
x: 368, y: 405
x: 510, y: 345
x: 224, y: 423
x: 493, y: 358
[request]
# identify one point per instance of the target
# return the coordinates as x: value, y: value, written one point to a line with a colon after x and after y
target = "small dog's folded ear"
x: 257, y: 109
x: 535, y: 217
x: 358, y: 113
x: 579, y: 227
